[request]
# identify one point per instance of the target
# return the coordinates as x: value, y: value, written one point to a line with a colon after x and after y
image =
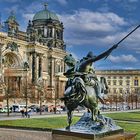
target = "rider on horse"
x: 89, y: 76
x: 84, y: 70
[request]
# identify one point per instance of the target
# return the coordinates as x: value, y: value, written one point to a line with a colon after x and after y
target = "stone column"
x: 40, y: 66
x: 34, y: 67
x: 49, y: 32
x: 19, y: 84
x: 45, y: 32
x: 53, y: 32
x: 51, y: 71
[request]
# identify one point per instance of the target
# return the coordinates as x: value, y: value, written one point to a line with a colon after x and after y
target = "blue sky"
x: 90, y: 25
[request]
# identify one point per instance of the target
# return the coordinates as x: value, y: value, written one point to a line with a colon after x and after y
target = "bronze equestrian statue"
x: 83, y: 88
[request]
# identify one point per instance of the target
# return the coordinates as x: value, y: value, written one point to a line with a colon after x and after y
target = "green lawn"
x: 133, y: 116
x: 129, y: 127
x: 61, y: 122
x: 55, y: 122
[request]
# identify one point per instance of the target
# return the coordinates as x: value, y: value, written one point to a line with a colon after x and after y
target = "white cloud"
x: 86, y: 25
x: 14, y: 8
x: 94, y: 28
x: 62, y: 2
x: 84, y: 16
x: 34, y: 7
x: 122, y: 59
x: 133, y: 41
x: 28, y: 16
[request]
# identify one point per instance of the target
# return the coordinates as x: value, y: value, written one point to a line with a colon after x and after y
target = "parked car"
x: 114, y: 107
x: 59, y: 109
x: 34, y: 108
x: 104, y: 107
x: 5, y: 110
x: 18, y: 107
x: 125, y: 107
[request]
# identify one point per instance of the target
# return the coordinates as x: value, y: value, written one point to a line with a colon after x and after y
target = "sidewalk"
x: 16, y: 116
x: 35, y: 115
x: 15, y: 134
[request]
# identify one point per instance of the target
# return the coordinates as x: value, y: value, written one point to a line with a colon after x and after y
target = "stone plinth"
x: 68, y: 135
x: 87, y: 129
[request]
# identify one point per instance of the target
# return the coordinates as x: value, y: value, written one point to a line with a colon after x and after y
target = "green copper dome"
x: 45, y: 15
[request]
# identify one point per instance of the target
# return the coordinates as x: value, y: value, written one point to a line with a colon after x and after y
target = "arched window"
x: 11, y: 60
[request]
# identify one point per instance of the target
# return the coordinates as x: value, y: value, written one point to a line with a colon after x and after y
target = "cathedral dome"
x: 45, y: 15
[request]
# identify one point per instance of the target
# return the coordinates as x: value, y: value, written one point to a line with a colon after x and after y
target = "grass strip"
x: 131, y: 116
x: 61, y: 122
x: 50, y: 123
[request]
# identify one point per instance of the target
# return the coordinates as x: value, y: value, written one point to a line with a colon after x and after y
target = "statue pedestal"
x: 68, y: 135
x: 87, y: 129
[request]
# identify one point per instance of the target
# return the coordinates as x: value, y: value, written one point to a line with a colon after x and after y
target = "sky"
x: 89, y: 25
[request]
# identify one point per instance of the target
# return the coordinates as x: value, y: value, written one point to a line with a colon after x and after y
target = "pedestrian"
x: 29, y: 113
x: 22, y: 112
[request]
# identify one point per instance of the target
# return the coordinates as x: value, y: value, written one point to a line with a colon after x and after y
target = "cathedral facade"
x: 31, y: 62
x: 32, y: 65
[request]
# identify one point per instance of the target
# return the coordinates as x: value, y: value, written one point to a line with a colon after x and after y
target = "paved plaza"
x: 15, y: 134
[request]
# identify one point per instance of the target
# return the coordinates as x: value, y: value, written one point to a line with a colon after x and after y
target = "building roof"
x: 45, y: 15
x: 12, y: 18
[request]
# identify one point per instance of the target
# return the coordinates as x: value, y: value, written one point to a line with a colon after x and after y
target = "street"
x: 15, y: 116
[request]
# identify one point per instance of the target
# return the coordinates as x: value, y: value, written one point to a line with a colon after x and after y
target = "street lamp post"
x: 136, y: 100
x: 40, y: 103
x: 40, y: 87
x: 26, y: 94
x: 111, y: 101
x: 7, y: 97
x: 131, y: 99
x: 40, y: 100
x: 116, y: 101
x: 55, y: 101
x: 26, y: 67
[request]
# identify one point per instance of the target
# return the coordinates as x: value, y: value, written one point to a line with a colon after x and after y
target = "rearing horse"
x: 79, y: 94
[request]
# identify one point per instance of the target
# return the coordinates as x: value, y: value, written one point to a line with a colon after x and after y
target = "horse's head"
x: 69, y: 60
